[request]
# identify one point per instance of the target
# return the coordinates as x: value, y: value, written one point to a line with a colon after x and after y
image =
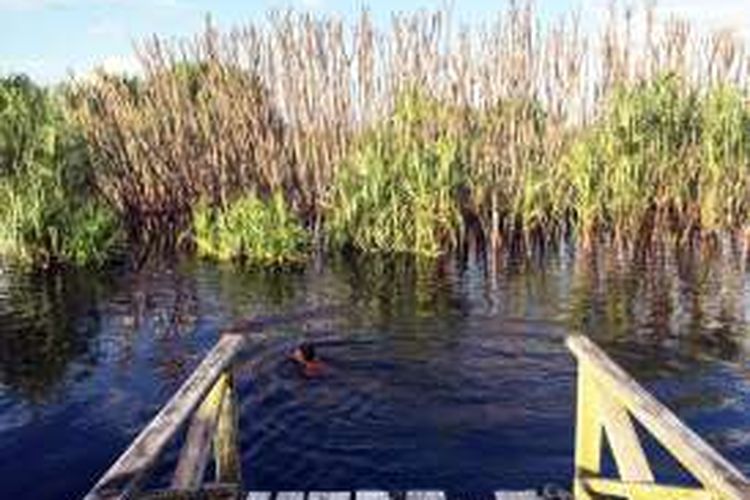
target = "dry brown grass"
x: 279, y: 106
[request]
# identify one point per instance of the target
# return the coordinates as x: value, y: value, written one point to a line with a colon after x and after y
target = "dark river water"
x: 440, y: 375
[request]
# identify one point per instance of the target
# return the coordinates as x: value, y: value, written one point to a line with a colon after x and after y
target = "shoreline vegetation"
x: 268, y: 142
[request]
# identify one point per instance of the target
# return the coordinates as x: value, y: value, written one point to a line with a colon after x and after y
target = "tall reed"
x: 637, y: 131
x: 400, y: 191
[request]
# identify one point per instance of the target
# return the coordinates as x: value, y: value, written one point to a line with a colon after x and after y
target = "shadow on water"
x: 441, y: 377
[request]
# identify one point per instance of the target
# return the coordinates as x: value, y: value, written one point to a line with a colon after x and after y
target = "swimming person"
x: 307, y: 359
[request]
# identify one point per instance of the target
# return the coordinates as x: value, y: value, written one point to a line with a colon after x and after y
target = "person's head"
x: 307, y: 352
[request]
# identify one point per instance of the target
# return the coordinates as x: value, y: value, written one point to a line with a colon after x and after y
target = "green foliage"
x: 618, y: 170
x: 40, y: 227
x: 90, y: 233
x: 250, y: 229
x: 725, y: 150
x: 47, y: 211
x: 398, y: 190
x: 27, y: 126
x: 663, y: 156
x: 510, y: 167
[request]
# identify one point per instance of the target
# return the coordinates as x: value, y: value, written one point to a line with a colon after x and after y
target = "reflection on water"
x: 440, y: 376
x: 683, y: 309
x: 47, y: 325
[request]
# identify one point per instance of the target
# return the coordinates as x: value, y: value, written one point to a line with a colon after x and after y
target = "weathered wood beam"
x: 258, y: 495
x: 290, y: 495
x: 124, y: 477
x: 329, y: 495
x: 588, y: 451
x: 700, y: 459
x: 227, y: 437
x: 371, y: 495
x: 645, y: 491
x: 196, y: 451
x: 208, y: 492
x: 425, y: 495
x: 629, y: 456
x: 517, y: 495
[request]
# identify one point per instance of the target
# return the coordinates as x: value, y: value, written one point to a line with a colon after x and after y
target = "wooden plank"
x: 226, y: 439
x: 646, y: 491
x: 258, y: 495
x: 329, y: 495
x: 123, y: 478
x: 588, y: 430
x: 710, y: 468
x: 516, y: 495
x: 372, y: 495
x: 425, y: 495
x: 631, y: 461
x: 210, y: 492
x: 195, y: 453
x: 290, y: 495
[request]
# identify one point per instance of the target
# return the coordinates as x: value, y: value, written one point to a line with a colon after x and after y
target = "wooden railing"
x: 208, y: 400
x: 208, y: 397
x: 608, y: 401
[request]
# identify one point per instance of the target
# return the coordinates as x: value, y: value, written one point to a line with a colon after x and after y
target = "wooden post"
x: 588, y: 451
x: 628, y: 453
x: 125, y: 476
x: 196, y: 451
x: 600, y: 378
x: 226, y: 439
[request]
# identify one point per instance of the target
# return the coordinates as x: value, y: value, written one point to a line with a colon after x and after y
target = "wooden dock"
x: 608, y: 403
x: 229, y: 493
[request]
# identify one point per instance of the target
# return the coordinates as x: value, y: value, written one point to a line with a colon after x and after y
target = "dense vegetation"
x: 662, y: 160
x: 250, y: 229
x: 49, y: 211
x: 260, y: 145
x: 398, y: 190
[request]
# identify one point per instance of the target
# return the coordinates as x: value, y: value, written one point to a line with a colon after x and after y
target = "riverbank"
x: 260, y: 146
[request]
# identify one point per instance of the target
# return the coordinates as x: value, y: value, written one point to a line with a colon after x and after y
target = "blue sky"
x: 49, y: 38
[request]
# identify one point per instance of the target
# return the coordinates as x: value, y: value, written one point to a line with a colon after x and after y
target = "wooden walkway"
x: 384, y: 495
x: 230, y: 493
x: 608, y: 403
